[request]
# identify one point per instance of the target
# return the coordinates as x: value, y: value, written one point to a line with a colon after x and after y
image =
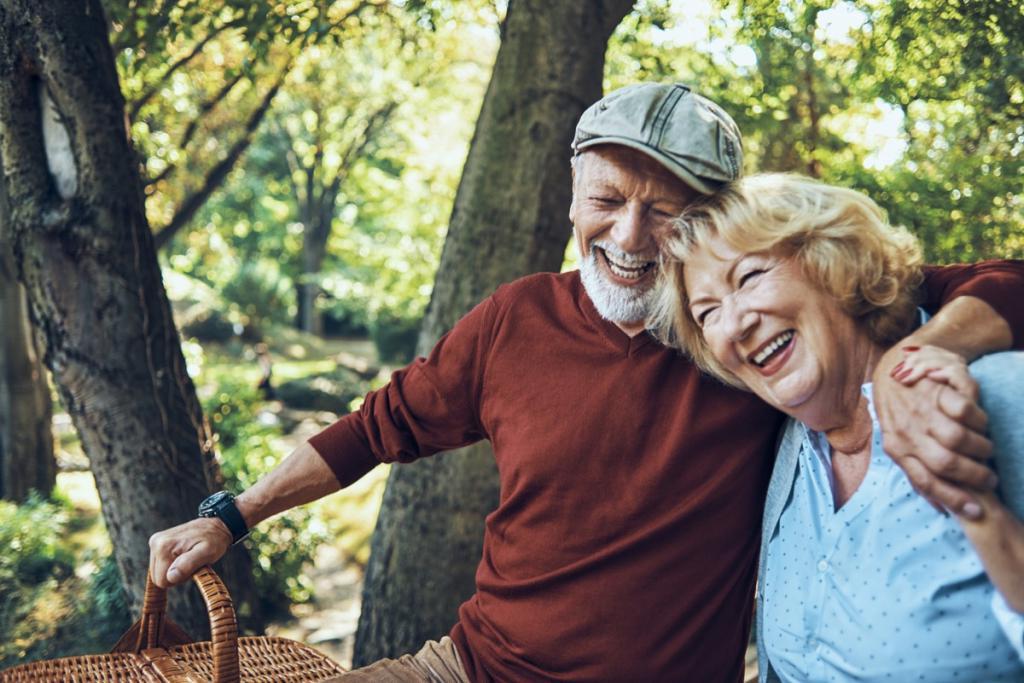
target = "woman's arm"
x: 998, y: 537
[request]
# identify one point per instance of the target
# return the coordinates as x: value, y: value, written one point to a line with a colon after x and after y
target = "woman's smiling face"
x: 778, y: 333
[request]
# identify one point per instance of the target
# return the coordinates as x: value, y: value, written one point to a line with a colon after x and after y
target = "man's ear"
x: 572, y: 204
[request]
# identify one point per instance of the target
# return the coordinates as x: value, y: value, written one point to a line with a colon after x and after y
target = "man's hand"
x: 176, y: 553
x: 932, y: 426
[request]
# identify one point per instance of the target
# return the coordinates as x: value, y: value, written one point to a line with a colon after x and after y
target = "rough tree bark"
x: 85, y: 254
x: 26, y: 416
x: 510, y: 218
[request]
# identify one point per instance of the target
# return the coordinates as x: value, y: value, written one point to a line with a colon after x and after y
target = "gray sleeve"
x: 1001, y: 379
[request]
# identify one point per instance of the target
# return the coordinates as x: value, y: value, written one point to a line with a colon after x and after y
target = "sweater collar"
x: 607, y: 329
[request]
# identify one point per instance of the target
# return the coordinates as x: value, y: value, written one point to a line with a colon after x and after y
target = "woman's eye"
x: 702, y: 316
x: 750, y: 275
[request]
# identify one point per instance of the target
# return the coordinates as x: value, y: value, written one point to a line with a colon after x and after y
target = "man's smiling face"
x: 623, y: 204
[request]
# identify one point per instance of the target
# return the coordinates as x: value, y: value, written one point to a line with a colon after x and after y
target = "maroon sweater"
x: 624, y: 546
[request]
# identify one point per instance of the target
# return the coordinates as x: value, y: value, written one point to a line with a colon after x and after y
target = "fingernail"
x: 971, y: 510
x: 911, y: 349
x: 172, y: 574
x: 905, y: 374
x: 895, y: 370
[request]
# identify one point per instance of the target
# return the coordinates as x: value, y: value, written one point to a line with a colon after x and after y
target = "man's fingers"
x: 959, y: 378
x: 955, y: 467
x: 940, y: 493
x: 189, y: 562
x: 175, y: 554
x: 160, y: 557
x: 964, y: 412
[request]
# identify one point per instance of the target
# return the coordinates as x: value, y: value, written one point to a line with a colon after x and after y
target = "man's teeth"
x: 776, y: 344
x: 627, y: 271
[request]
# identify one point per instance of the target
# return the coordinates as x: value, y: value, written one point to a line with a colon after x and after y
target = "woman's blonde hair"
x: 839, y: 237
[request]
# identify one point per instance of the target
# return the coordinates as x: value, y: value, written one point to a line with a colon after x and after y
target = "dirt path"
x: 328, y: 622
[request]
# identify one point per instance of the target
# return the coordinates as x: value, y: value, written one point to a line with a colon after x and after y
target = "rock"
x: 206, y: 324
x: 333, y: 392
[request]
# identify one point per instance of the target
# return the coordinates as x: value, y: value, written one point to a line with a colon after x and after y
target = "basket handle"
x: 154, y: 629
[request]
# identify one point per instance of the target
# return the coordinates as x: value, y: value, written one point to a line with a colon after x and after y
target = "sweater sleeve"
x: 429, y: 406
x: 1000, y: 284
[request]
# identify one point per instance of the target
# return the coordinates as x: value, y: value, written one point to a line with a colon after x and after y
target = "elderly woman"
x: 793, y: 289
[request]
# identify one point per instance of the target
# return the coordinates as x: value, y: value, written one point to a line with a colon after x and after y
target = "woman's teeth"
x: 762, y: 356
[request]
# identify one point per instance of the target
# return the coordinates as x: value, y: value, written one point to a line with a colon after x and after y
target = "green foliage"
x: 33, y: 562
x: 261, y: 293
x: 108, y: 603
x: 387, y: 195
x: 248, y: 449
x: 918, y: 103
x: 395, y: 336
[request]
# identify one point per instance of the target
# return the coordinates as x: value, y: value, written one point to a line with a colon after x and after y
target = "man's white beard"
x: 615, y: 303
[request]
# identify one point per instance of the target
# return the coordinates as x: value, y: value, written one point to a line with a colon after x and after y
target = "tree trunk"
x: 85, y: 254
x: 26, y: 433
x: 308, y: 288
x: 510, y: 218
x: 316, y: 207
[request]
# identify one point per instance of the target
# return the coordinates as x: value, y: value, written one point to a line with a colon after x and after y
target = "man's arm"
x: 176, y: 553
x: 427, y: 407
x: 1000, y: 284
x: 936, y: 434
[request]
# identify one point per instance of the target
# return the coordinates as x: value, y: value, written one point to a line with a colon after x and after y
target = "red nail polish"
x: 905, y: 374
x: 895, y: 370
x: 911, y: 349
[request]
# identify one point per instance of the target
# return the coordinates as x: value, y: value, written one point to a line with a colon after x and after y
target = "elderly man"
x: 625, y: 541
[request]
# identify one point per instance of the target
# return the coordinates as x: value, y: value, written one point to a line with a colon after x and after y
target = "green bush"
x: 207, y: 324
x: 248, y: 449
x: 343, y: 319
x: 395, y: 336
x: 34, y: 560
x: 261, y: 293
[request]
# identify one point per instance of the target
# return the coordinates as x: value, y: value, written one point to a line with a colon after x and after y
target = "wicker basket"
x: 155, y: 650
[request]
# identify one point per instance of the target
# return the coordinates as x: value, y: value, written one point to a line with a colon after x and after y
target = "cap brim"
x: 677, y: 169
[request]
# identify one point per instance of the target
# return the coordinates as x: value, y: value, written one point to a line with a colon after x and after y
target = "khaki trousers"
x: 436, y: 662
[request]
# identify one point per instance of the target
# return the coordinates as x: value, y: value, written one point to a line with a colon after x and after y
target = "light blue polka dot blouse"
x: 884, y: 589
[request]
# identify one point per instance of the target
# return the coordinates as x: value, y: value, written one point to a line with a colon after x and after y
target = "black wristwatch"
x: 222, y: 505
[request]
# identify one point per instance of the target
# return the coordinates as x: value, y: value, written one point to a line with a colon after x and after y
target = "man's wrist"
x: 247, y: 509
x: 967, y: 326
x: 221, y: 506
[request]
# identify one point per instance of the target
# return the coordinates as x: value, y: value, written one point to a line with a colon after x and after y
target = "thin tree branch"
x: 144, y: 98
x: 294, y: 166
x: 375, y: 121
x: 220, y: 171
x: 205, y: 108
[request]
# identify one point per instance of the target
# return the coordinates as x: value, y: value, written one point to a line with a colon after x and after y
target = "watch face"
x: 208, y: 508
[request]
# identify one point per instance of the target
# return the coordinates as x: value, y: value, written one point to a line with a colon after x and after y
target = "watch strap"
x: 233, y: 520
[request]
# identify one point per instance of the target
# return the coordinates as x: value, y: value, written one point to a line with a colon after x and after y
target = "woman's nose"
x: 739, y: 319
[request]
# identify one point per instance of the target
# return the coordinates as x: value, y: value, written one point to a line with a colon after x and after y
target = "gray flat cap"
x: 688, y: 134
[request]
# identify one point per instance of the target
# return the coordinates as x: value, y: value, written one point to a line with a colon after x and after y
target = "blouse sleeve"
x: 1011, y: 622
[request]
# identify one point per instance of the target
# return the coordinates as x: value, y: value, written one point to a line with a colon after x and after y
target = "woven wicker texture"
x: 152, y: 651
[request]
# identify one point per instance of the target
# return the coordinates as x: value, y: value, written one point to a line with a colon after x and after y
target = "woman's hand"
x: 932, y: 427
x: 937, y: 364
